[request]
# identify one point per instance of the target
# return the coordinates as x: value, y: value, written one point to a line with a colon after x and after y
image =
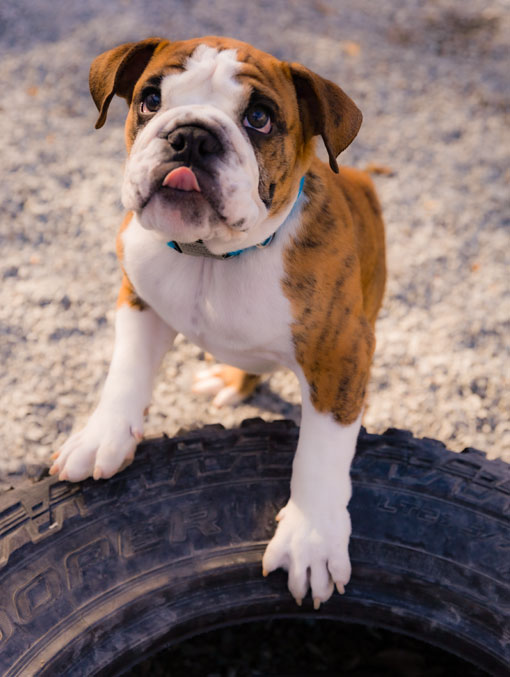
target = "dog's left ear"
x: 325, y: 109
x: 117, y: 71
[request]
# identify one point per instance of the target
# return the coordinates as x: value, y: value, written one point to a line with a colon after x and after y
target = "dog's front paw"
x: 313, y: 548
x: 104, y: 446
x: 229, y: 385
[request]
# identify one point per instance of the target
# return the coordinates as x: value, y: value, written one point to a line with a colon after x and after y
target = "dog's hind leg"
x: 229, y: 385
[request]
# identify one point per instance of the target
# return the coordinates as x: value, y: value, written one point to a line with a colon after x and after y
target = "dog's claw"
x: 316, y: 603
x: 97, y: 473
x: 299, y: 601
x: 340, y: 588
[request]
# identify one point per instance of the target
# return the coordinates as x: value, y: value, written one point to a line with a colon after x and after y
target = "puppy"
x: 240, y: 238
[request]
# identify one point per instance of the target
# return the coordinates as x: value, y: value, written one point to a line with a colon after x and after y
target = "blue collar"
x: 199, y: 249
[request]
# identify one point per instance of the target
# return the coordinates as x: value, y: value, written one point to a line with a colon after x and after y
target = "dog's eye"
x: 259, y: 118
x: 151, y: 101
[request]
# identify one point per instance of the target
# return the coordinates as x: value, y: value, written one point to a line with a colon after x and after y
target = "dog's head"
x: 219, y: 135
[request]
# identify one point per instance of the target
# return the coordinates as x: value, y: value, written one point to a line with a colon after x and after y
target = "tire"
x: 96, y: 576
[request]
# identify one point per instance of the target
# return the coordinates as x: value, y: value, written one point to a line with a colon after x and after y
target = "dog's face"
x: 219, y: 135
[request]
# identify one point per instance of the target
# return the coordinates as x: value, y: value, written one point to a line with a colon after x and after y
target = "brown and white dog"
x: 221, y: 244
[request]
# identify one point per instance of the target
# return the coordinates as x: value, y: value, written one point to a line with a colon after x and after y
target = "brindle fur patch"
x: 335, y: 275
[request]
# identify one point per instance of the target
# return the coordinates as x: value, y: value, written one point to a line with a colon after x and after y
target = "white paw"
x: 104, y: 446
x: 221, y: 381
x: 314, y: 551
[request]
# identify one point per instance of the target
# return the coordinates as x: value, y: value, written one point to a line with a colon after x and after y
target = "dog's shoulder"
x: 342, y: 224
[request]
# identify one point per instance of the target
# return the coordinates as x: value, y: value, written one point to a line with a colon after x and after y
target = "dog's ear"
x: 325, y: 109
x: 116, y: 72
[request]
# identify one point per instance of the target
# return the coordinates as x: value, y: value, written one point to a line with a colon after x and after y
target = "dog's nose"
x: 192, y: 143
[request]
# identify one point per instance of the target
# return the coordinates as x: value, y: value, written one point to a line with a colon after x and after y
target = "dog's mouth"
x: 189, y: 188
x: 180, y: 187
x: 182, y: 179
x: 177, y: 182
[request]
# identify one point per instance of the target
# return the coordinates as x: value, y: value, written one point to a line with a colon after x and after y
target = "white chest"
x: 233, y: 308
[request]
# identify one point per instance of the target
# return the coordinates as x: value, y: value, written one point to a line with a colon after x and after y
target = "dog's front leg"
x: 312, y: 537
x: 109, y: 439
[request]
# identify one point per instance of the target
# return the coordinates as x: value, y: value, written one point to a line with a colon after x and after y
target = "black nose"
x: 193, y: 144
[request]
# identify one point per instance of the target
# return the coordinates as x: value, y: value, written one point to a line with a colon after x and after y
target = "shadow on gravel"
x: 450, y: 32
x: 266, y: 399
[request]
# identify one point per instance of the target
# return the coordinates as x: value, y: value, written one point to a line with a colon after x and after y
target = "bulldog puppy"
x: 240, y: 238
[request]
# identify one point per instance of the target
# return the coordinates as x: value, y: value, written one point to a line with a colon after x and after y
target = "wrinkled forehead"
x: 207, y: 76
x: 218, y: 72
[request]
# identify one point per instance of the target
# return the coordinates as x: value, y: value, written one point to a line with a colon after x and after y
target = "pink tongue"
x: 182, y: 178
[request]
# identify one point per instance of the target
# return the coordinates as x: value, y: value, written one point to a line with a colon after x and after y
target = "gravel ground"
x: 432, y: 81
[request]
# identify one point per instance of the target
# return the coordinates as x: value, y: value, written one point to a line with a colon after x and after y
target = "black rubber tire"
x: 98, y: 575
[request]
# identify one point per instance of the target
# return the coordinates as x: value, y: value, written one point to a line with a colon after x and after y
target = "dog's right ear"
x: 117, y: 71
